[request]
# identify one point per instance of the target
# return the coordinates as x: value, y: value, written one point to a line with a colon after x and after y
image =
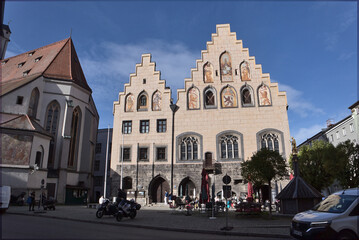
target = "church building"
x: 48, y: 123
x: 226, y: 112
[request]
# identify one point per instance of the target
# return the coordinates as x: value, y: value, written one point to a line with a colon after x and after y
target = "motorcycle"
x: 128, y: 209
x: 107, y: 208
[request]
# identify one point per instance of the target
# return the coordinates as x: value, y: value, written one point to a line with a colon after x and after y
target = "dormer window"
x: 38, y: 59
x: 20, y: 64
x: 31, y: 53
x: 26, y: 73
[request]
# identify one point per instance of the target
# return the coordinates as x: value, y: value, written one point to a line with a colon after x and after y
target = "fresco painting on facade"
x: 264, y: 96
x: 130, y: 102
x: 193, y: 98
x: 156, y: 101
x: 208, y: 73
x: 15, y: 149
x: 226, y: 67
x: 229, y: 97
x: 245, y: 71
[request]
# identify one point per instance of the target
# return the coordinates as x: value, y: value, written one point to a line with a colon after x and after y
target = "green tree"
x: 348, y: 176
x: 319, y: 163
x: 263, y: 167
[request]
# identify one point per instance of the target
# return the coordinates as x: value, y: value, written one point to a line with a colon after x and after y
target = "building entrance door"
x: 157, y: 189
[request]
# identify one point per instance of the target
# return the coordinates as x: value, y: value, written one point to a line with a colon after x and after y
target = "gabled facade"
x: 227, y: 111
x: 47, y: 86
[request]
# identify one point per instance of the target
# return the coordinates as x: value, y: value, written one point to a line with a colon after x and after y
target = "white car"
x: 336, y: 217
x: 5, y: 194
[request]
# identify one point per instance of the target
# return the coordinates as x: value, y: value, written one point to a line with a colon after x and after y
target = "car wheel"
x: 99, y: 213
x: 119, y: 216
x: 347, y: 235
x: 133, y: 214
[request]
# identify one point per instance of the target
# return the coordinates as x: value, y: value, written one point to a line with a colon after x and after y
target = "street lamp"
x: 174, y: 109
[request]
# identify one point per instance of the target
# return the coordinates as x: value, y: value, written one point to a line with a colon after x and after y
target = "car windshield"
x: 335, y: 203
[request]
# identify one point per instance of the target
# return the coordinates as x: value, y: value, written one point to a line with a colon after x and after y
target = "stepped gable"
x: 57, y: 60
x: 226, y: 41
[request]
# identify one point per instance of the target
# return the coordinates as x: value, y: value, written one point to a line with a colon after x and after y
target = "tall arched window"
x: 229, y: 146
x: 142, y: 104
x: 189, y: 148
x: 210, y: 98
x: 34, y: 101
x: 52, y: 122
x: 247, y: 97
x: 270, y: 141
x: 75, y: 135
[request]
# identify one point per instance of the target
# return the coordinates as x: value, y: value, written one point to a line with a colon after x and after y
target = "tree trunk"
x: 270, y: 199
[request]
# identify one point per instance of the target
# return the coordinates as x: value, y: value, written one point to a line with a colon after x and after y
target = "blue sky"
x: 308, y: 47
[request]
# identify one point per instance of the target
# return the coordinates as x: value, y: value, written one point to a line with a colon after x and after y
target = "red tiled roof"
x: 58, y: 60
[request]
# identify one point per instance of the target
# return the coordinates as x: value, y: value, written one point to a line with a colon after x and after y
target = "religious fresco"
x: 226, y: 67
x: 245, y: 71
x: 264, y: 96
x: 156, y: 101
x: 208, y: 73
x: 193, y: 98
x: 130, y: 103
x: 229, y: 97
x: 15, y: 149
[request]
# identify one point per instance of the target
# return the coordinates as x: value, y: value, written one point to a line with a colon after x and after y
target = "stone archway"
x: 157, y: 189
x: 186, y: 187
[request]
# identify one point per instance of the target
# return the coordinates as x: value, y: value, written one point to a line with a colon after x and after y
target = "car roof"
x: 350, y: 191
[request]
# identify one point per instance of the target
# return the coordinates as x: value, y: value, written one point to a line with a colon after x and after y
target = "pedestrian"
x: 166, y: 197
x: 31, y: 201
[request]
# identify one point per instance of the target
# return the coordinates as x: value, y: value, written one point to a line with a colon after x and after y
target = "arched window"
x: 270, y: 141
x: 247, y: 96
x: 75, y: 136
x: 52, y: 122
x: 189, y: 148
x: 229, y: 147
x: 39, y: 156
x: 210, y: 98
x: 142, y: 102
x: 34, y: 101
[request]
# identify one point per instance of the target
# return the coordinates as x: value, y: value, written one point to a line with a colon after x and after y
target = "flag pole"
x: 105, y: 185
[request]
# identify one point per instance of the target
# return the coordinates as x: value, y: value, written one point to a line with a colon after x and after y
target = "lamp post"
x: 174, y: 109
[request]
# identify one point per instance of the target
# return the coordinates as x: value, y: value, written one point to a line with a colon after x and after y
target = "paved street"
x: 34, y: 227
x: 151, y: 222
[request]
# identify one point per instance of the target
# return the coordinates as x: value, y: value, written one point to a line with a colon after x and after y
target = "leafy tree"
x: 263, y: 167
x: 319, y: 164
x: 348, y: 175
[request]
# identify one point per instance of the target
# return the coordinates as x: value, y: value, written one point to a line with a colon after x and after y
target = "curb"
x: 164, y: 228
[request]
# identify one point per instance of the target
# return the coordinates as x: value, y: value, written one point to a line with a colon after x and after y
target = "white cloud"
x: 304, y: 133
x: 298, y: 104
x: 346, y: 56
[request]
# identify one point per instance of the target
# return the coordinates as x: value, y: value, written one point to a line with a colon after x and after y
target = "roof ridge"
x: 51, y: 44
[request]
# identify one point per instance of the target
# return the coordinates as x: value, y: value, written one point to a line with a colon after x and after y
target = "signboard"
x: 227, y: 179
x: 227, y: 191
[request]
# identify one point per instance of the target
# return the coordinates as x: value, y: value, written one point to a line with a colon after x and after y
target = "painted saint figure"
x: 208, y: 73
x: 226, y: 67
x: 193, y: 98
x: 245, y: 71
x: 130, y: 101
x: 264, y: 96
x: 156, y: 101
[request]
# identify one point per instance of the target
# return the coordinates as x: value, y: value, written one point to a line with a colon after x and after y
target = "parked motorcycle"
x: 107, y: 208
x: 128, y: 209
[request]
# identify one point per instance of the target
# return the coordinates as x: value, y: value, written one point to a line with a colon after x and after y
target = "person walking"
x: 166, y: 197
x: 31, y: 201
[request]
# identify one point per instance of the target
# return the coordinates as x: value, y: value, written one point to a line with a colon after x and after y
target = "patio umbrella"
x: 250, y: 191
x: 204, y: 188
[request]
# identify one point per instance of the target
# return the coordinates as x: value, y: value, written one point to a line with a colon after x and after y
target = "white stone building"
x: 48, y: 120
x: 227, y: 111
